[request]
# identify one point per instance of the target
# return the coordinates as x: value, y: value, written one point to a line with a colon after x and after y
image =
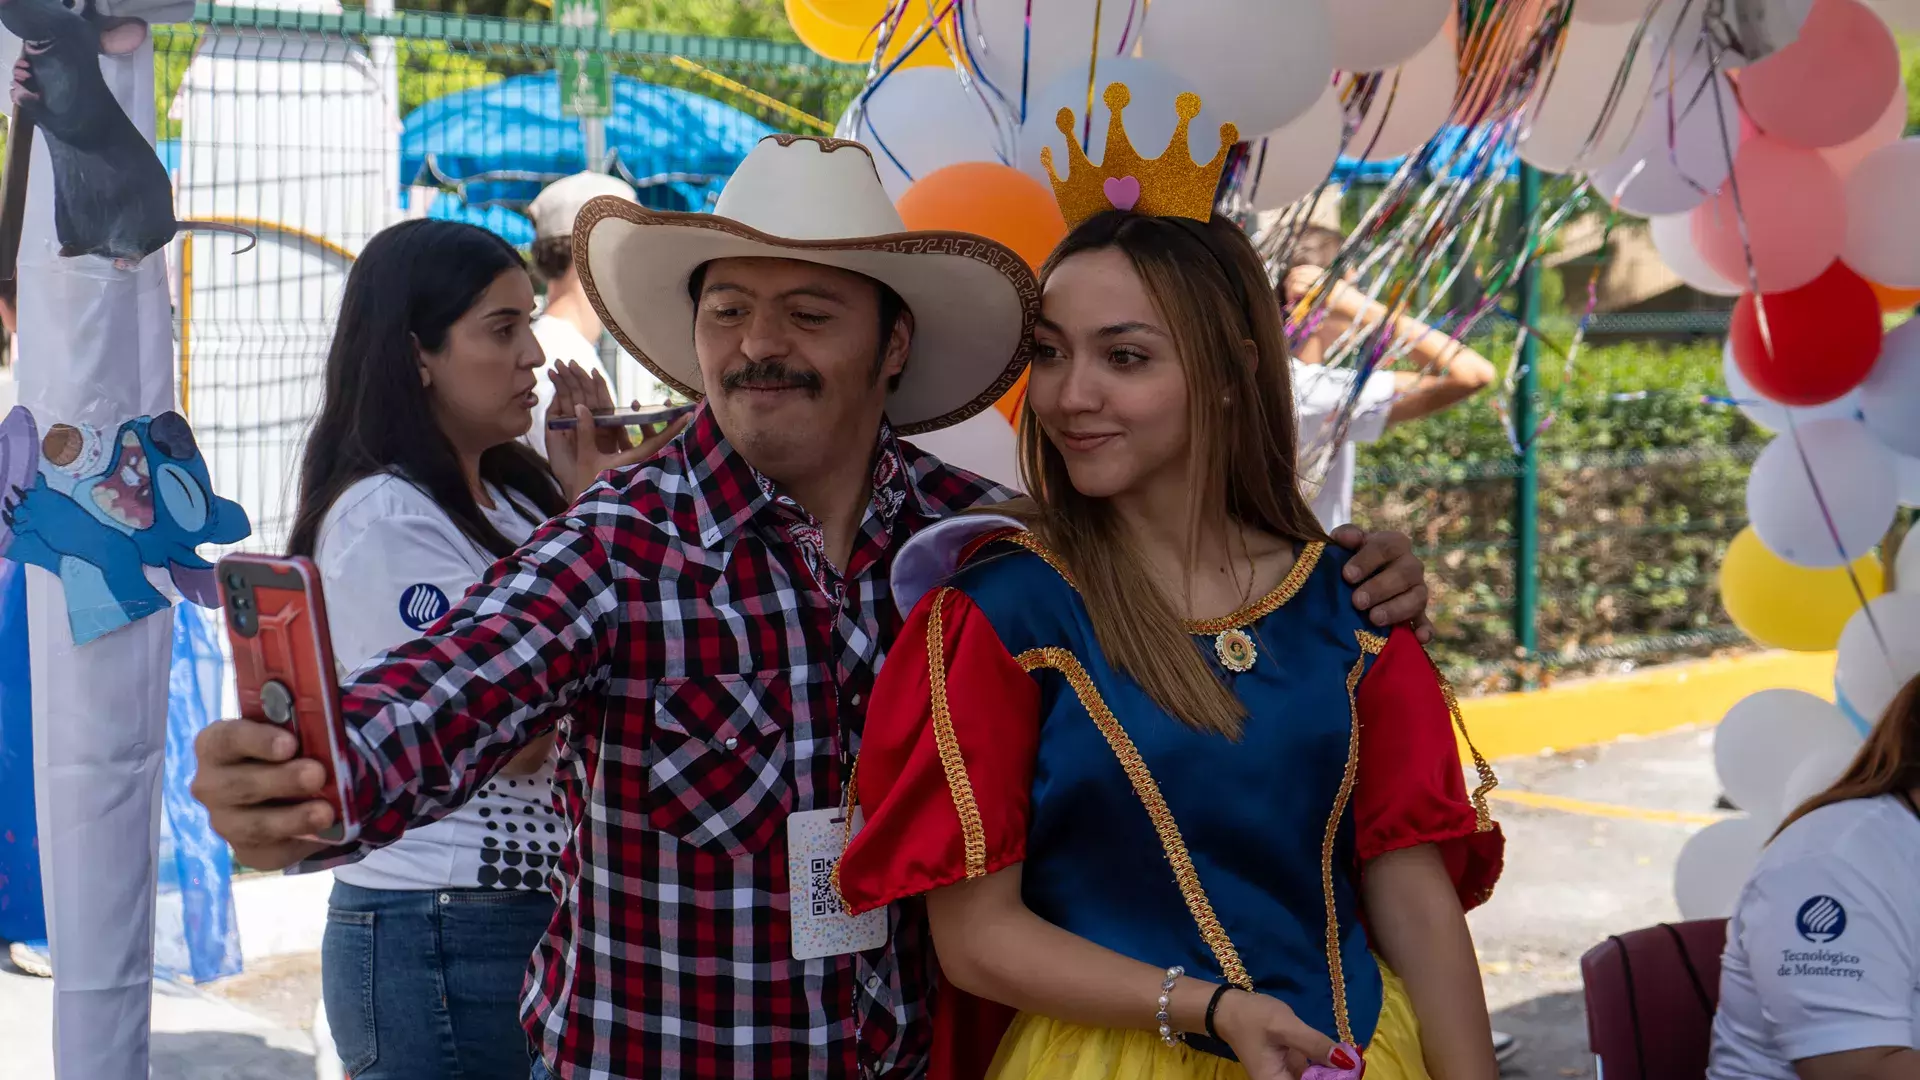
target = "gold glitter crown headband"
x: 1171, y: 185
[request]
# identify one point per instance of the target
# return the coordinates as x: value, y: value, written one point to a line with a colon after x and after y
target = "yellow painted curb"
x: 1540, y: 801
x: 1588, y: 712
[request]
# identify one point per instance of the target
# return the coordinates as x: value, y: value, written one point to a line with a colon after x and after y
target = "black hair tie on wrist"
x: 1213, y: 1005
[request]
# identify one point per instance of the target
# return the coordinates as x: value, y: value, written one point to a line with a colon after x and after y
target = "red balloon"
x: 1825, y: 337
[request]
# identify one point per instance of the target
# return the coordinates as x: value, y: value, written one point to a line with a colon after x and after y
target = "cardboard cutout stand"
x: 96, y: 348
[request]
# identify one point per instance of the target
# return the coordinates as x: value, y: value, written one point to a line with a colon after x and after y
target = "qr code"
x: 820, y: 892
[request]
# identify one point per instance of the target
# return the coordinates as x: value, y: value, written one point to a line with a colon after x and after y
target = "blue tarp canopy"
x: 1447, y: 146
x: 499, y: 144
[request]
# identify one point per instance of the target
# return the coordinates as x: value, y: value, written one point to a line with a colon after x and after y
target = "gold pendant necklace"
x: 1235, y: 650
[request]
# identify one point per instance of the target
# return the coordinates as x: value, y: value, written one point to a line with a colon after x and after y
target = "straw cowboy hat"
x: 974, y: 301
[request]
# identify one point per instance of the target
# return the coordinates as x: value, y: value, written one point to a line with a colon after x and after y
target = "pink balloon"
x: 1831, y: 83
x: 1891, y: 125
x: 1796, y: 217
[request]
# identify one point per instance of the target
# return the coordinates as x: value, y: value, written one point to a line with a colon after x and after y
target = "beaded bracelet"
x: 1167, y: 1034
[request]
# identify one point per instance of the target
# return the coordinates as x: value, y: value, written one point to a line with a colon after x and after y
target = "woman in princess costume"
x: 1175, y: 809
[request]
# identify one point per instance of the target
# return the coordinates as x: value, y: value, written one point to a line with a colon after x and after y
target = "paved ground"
x: 1573, y: 878
x: 1575, y: 873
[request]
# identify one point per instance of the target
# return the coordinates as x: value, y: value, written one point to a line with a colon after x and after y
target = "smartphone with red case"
x: 283, y: 661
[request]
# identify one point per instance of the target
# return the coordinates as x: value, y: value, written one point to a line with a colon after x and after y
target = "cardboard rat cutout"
x: 112, y: 196
x: 98, y: 508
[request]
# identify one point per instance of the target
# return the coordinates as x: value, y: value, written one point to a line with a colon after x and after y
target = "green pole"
x: 1526, y: 501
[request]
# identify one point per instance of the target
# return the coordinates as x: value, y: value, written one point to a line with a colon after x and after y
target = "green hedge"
x: 1641, y: 488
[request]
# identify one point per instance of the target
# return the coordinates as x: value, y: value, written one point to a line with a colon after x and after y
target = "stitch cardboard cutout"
x: 99, y: 509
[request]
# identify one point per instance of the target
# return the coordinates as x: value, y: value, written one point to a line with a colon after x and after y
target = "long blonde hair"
x: 1210, y: 287
x: 1889, y: 762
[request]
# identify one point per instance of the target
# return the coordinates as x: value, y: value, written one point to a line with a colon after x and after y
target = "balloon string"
x: 1026, y: 59
x: 1126, y: 32
x: 1839, y: 545
x: 1093, y: 76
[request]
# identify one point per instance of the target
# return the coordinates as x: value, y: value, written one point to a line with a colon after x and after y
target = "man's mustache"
x: 771, y: 375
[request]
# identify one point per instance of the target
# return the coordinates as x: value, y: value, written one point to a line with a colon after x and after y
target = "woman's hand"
x: 1271, y: 1042
x: 579, y: 456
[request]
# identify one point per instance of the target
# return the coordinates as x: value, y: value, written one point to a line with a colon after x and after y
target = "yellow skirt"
x: 1037, y: 1048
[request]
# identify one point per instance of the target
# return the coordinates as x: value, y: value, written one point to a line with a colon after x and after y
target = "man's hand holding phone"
x: 260, y: 797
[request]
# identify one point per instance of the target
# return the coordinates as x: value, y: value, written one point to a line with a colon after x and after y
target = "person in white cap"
x: 703, y: 630
x: 568, y: 328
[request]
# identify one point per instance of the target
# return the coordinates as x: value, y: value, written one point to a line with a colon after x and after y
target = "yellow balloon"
x: 843, y: 30
x: 1792, y: 607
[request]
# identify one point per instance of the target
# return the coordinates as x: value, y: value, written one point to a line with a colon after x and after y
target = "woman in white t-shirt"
x: 1821, y: 977
x: 412, y: 484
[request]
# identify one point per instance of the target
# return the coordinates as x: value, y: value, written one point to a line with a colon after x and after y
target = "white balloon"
x: 1411, y: 103
x: 1258, y: 64
x: 1890, y: 394
x: 1672, y: 236
x: 1150, y: 117
x: 1817, y: 773
x: 1765, y: 737
x: 983, y: 443
x: 1868, y: 675
x: 1298, y: 158
x: 1060, y: 45
x: 1771, y: 415
x: 918, y: 120
x: 1565, y: 109
x: 1681, y: 152
x: 1714, y: 866
x: 1907, y: 478
x: 1883, y: 218
x: 1374, y: 35
x: 1856, y: 488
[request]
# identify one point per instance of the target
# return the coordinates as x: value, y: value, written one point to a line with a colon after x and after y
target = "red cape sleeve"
x: 1410, y: 789
x: 946, y: 760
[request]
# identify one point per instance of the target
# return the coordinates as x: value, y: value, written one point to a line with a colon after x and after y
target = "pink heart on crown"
x: 1122, y: 191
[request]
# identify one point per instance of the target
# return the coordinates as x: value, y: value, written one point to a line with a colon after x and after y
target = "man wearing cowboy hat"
x: 703, y: 630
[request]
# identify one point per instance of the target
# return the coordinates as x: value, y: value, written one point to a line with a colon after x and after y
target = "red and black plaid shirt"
x: 711, y: 666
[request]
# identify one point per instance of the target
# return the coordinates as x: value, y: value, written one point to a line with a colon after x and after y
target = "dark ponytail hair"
x: 411, y: 284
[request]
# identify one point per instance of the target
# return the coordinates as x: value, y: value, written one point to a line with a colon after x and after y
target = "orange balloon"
x: 1010, y: 402
x: 991, y: 200
x: 1892, y: 299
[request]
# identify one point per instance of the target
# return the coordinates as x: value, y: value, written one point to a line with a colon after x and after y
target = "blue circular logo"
x: 1821, y: 920
x: 422, y: 605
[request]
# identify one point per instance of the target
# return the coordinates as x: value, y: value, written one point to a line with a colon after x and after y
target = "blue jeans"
x: 540, y: 1070
x: 425, y: 984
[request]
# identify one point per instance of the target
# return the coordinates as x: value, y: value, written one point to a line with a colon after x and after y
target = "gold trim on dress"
x: 1482, y: 816
x: 1371, y: 644
x: 1336, y: 966
x: 1188, y: 878
x: 972, y: 833
x: 1288, y: 588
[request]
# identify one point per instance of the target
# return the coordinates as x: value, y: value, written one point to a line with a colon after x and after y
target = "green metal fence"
x: 264, y: 116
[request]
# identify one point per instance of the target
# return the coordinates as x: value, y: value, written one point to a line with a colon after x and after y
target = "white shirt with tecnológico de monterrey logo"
x: 391, y: 564
x: 1823, y: 951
